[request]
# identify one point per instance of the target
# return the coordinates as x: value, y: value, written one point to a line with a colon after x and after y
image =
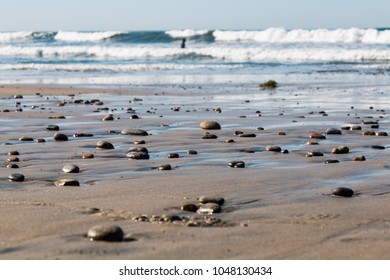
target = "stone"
x: 340, y: 150
x: 314, y: 154
x: 209, y: 136
x: 70, y: 168
x: 109, y: 117
x: 139, y: 142
x: 381, y: 133
x: 341, y: 191
x: 60, y: 137
x: 247, y: 135
x: 173, y: 155
x: 316, y: 135
x: 13, y: 153
x: 333, y: 131
x: 210, y: 125
x: 209, y: 208
x: 229, y: 140
x: 192, y: 152
x: 13, y: 159
x: 275, y: 149
x: 104, y: 145
x: 134, y: 131
x: 328, y: 161
x: 165, y: 167
x: 52, y: 127
x: 360, y: 158
x: 236, y: 164
x: 210, y: 199
x: 137, y: 155
x: 138, y: 149
x: 88, y: 155
x: 378, y: 147
x: 110, y: 233
x: 26, y: 138
x: 82, y: 135
x: 16, y: 177
x: 189, y: 207
x: 270, y: 84
x: 12, y: 165
x: 67, y: 183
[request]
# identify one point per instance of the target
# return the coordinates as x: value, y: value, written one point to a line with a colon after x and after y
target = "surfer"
x: 183, y: 43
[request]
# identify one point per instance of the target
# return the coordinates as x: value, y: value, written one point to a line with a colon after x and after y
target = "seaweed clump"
x: 269, y: 84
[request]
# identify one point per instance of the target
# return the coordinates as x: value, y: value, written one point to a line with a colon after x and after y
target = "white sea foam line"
x: 185, y: 33
x: 11, y: 36
x: 84, y: 36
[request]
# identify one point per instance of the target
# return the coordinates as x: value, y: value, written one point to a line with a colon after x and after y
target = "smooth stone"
x: 108, y: 118
x: 238, y: 132
x: 57, y: 117
x: 340, y: 150
x: 259, y: 128
x: 210, y: 125
x: 333, y: 131
x: 276, y: 149
x: 60, y: 137
x: 134, y: 117
x: 67, y: 183
x: 104, y: 145
x: 314, y: 154
x: 134, y: 131
x: 70, y: 168
x: 41, y: 140
x: 192, y: 152
x: 173, y: 155
x: 341, y: 191
x: 316, y: 135
x: 105, y: 233
x: 368, y: 133
x: 13, y: 159
x: 16, y: 177
x: 282, y: 133
x: 88, y: 155
x: 12, y: 165
x: 328, y: 161
x: 360, y: 158
x: 165, y: 167
x: 378, y: 147
x: 209, y: 136
x: 356, y: 127
x: 26, y: 138
x: 381, y: 133
x: 137, y: 155
x: 82, y: 135
x: 189, y: 207
x: 52, y: 127
x: 247, y: 135
x: 209, y: 199
x: 13, y: 153
x: 139, y: 142
x: 138, y: 149
x: 229, y: 140
x: 209, y: 208
x: 236, y: 164
x: 312, y: 143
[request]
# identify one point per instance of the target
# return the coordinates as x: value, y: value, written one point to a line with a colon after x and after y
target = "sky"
x: 121, y: 15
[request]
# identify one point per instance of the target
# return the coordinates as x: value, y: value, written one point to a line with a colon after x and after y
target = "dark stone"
x: 52, y: 127
x: 341, y: 191
x: 16, y: 177
x: 333, y: 131
x: 60, y: 137
x: 173, y: 155
x: 378, y: 147
x: 237, y: 164
x: 340, y: 150
x: 328, y: 161
x: 67, y: 183
x: 314, y: 154
x: 105, y: 233
x: 210, y: 199
x: 276, y: 149
x: 134, y: 131
x: 192, y: 152
x: 137, y: 155
x: 165, y: 167
x: 189, y: 207
x: 209, y: 136
x: 104, y: 145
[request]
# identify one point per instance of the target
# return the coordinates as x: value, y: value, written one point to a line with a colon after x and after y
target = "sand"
x: 278, y: 207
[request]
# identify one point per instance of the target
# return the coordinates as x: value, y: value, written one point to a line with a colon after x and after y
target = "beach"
x: 279, y: 206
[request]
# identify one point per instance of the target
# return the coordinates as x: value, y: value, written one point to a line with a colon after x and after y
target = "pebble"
x: 341, y: 191
x: 230, y: 140
x: 82, y: 135
x: 192, y: 152
x: 134, y: 131
x: 26, y: 138
x: 137, y: 155
x: 360, y: 158
x: 282, y: 133
x: 67, y: 183
x: 105, y: 233
x: 109, y: 117
x: 138, y: 149
x: 316, y: 135
x: 13, y: 159
x: 139, y: 142
x: 57, y: 117
x: 88, y: 155
x: 276, y: 149
x: 312, y: 143
x: 165, y: 167
x: 356, y: 127
x: 247, y: 135
x: 173, y: 155
x: 52, y: 127
x: 189, y: 207
x: 236, y: 164
x: 314, y: 154
x: 209, y: 136
x: 70, y: 168
x: 328, y: 161
x: 209, y: 125
x: 368, y: 133
x: 378, y: 147
x: 333, y: 131
x: 16, y: 177
x: 210, y: 199
x: 41, y: 140
x: 381, y: 133
x: 259, y: 128
x: 340, y: 150
x: 13, y: 153
x: 12, y: 165
x: 209, y: 208
x: 60, y: 137
x: 104, y: 145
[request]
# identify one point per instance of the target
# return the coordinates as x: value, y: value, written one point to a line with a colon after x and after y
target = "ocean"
x: 139, y: 58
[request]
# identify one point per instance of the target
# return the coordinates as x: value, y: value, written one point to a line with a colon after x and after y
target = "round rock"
x: 236, y: 164
x: 209, y: 136
x: 137, y: 155
x: 210, y: 199
x: 71, y: 168
x: 52, y: 127
x: 16, y: 177
x: 60, y: 137
x: 316, y: 135
x: 104, y: 145
x: 189, y: 207
x: 210, y: 125
x: 67, y: 183
x: 165, y: 167
x: 209, y: 208
x: 275, y: 149
x: 341, y: 191
x: 105, y: 233
x: 340, y: 150
x: 134, y: 131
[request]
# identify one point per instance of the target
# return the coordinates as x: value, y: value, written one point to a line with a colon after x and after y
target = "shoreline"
x: 278, y: 207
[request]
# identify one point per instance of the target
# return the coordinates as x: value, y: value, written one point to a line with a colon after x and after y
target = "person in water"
x: 183, y: 43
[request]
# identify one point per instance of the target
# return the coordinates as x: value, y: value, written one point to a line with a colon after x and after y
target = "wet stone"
x: 134, y: 117
x: 210, y: 199
x: 189, y: 207
x: 105, y: 233
x: 360, y: 158
x: 312, y: 143
x: 236, y: 164
x: 12, y: 165
x: 314, y: 154
x: 134, y: 131
x: 82, y: 135
x: 60, y: 137
x: 316, y: 135
x: 329, y: 161
x: 192, y: 152
x: 238, y: 132
x: 368, y: 133
x: 41, y: 140
x: 210, y: 125
x: 341, y: 191
x: 52, y: 127
x: 275, y: 149
x: 333, y: 131
x: 381, y: 133
x: 173, y: 155
x: 229, y: 140
x: 13, y: 159
x: 71, y: 168
x: 340, y: 150
x: 247, y: 135
x: 88, y: 155
x: 137, y: 155
x: 209, y: 136
x: 356, y: 127
x: 26, y: 138
x: 108, y: 118
x: 16, y: 177
x: 104, y: 145
x: 67, y: 183
x: 139, y: 142
x: 138, y: 149
x: 13, y: 153
x: 165, y: 167
x: 378, y: 147
x: 209, y: 208
x: 57, y: 117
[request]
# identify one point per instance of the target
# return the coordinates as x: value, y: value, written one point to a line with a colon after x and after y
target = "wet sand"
x: 278, y: 207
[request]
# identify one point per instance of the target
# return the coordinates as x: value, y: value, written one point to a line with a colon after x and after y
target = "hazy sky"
x: 29, y: 15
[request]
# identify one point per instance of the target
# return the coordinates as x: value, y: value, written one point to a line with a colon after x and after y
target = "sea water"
x: 211, y: 57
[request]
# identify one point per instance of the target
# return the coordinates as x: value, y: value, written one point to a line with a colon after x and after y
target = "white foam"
x: 14, y: 36
x: 84, y: 36
x: 186, y: 33
x: 281, y: 35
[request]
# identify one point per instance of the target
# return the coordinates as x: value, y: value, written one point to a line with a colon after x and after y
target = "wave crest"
x: 70, y: 36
